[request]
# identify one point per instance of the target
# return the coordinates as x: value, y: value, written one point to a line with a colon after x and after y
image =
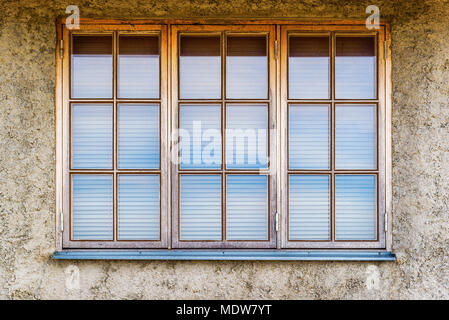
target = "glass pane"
x: 355, y: 68
x: 308, y: 207
x: 308, y: 136
x: 92, y: 207
x: 246, y: 207
x: 355, y: 207
x: 138, y: 136
x: 138, y: 67
x: 92, y: 67
x: 200, y: 207
x: 308, y: 67
x: 246, y: 136
x: 92, y: 136
x: 138, y: 207
x: 200, y: 134
x: 355, y: 137
x: 246, y: 67
x: 200, y: 67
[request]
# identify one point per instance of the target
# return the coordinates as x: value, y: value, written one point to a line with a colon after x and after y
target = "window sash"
x: 65, y: 227
x: 382, y: 152
x: 177, y: 170
x: 278, y: 119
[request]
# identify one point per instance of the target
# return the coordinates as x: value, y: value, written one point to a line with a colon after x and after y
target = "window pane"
x: 246, y: 136
x: 92, y: 207
x: 355, y: 207
x: 355, y: 136
x: 200, y: 133
x: 92, y: 67
x: 246, y: 67
x: 91, y: 136
x: 355, y: 68
x: 308, y: 67
x: 200, y: 67
x: 200, y: 207
x: 138, y: 207
x: 308, y: 137
x: 138, y: 136
x: 138, y: 67
x: 308, y: 207
x: 246, y: 207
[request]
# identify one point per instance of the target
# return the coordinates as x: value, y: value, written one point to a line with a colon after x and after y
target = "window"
x: 230, y: 136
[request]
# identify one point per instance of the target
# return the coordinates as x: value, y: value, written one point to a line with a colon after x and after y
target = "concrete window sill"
x: 242, y: 255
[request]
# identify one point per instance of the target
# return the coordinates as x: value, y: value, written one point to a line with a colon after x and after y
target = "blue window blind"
x: 91, y: 136
x: 200, y: 132
x: 138, y: 207
x: 138, y: 66
x: 246, y: 136
x: 355, y: 68
x: 308, y: 137
x: 309, y: 207
x: 200, y: 207
x: 91, y: 67
x: 246, y: 67
x: 355, y: 207
x: 355, y: 136
x: 92, y: 207
x: 138, y: 136
x: 246, y: 207
x: 308, y: 67
x: 200, y: 67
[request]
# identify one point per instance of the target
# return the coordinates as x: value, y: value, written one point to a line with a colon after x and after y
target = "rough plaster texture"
x: 420, y: 32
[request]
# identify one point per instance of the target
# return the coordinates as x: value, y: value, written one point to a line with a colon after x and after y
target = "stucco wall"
x: 420, y: 51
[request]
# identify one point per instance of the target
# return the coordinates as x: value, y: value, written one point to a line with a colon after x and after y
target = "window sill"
x: 266, y: 255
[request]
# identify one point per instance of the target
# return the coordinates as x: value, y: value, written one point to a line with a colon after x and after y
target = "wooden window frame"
x: 168, y: 101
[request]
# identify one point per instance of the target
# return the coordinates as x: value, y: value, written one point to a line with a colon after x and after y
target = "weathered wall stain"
x: 420, y: 54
